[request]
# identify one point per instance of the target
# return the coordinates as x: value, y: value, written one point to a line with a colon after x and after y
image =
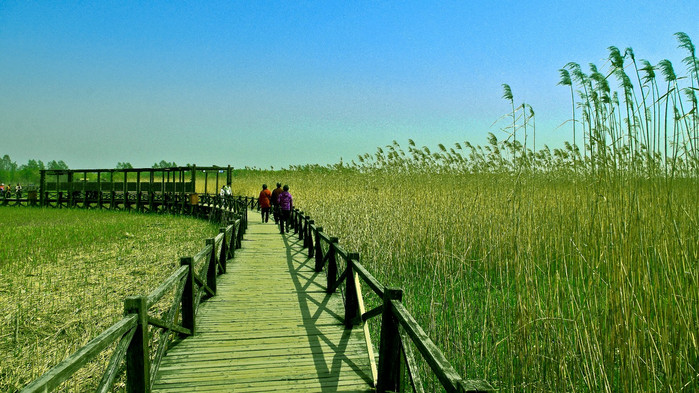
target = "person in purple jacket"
x: 286, y: 203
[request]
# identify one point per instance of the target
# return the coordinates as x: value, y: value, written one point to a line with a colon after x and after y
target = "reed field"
x: 573, y: 269
x: 64, y: 275
x: 531, y: 282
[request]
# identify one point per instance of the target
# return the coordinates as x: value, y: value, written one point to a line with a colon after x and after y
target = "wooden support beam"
x: 319, y: 250
x: 351, y: 302
x: 138, y: 353
x: 188, y: 306
x: 211, y: 271
x: 332, y: 266
x: 389, y: 345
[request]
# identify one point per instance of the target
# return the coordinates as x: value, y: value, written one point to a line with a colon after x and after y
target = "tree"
x: 57, y: 165
x: 164, y: 164
x: 124, y: 165
x: 8, y: 168
x: 30, y: 171
x: 6, y: 164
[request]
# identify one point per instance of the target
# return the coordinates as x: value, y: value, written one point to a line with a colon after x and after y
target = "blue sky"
x: 271, y: 84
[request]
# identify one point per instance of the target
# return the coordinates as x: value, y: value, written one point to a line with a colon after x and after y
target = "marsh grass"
x: 530, y: 281
x: 64, y: 275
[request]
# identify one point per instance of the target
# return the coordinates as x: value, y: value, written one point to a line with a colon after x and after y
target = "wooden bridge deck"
x: 271, y: 327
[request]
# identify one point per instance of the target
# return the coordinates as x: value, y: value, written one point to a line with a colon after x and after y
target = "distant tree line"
x: 11, y: 172
x: 157, y: 165
x: 29, y: 173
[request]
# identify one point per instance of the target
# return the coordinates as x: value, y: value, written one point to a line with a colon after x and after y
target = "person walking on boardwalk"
x: 18, y: 190
x: 265, y: 202
x: 275, y: 202
x: 286, y: 203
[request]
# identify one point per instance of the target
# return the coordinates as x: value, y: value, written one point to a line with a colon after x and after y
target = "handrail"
x: 166, y: 286
x: 6, y: 199
x: 444, y: 371
x: 387, y: 377
x: 194, y: 284
x: 368, y: 278
x: 65, y: 369
x: 132, y: 330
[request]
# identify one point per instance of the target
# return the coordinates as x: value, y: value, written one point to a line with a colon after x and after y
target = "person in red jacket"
x: 265, y: 202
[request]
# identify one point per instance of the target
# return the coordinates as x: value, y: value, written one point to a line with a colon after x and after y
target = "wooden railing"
x: 195, y: 281
x: 143, y: 201
x: 22, y: 199
x: 397, y: 365
x: 192, y: 283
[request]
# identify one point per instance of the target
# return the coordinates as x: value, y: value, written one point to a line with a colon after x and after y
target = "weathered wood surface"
x: 271, y: 327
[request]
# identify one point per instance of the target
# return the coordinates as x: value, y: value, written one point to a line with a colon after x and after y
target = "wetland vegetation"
x: 64, y: 275
x: 537, y: 269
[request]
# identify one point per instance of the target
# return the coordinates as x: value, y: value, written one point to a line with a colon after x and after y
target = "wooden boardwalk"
x: 271, y: 327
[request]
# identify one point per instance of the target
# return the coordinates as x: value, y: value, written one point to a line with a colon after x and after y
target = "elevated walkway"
x: 271, y: 327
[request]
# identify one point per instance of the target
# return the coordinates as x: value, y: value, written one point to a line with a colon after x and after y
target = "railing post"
x: 211, y: 271
x: 138, y: 353
x: 100, y: 197
x: 319, y: 251
x: 188, y: 306
x: 351, y: 301
x: 332, y: 265
x: 239, y: 235
x: 42, y: 188
x: 223, y: 256
x: 297, y: 224
x: 138, y: 191
x: 302, y: 228
x: 389, y: 345
x: 234, y: 241
x: 126, y: 191
x: 293, y: 216
x: 70, y: 189
x: 244, y: 221
x: 308, y: 240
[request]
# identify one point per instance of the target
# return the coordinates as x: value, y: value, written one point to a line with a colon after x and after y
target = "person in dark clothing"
x: 286, y: 203
x: 275, y: 203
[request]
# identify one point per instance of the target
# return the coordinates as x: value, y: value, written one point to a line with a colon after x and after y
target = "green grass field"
x: 65, y: 273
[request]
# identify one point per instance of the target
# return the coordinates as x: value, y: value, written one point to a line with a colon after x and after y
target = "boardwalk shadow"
x: 314, y: 302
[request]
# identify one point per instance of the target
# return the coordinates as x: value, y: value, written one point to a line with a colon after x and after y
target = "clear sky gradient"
x: 271, y: 84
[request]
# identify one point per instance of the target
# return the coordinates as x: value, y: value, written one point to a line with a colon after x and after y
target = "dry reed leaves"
x: 65, y: 274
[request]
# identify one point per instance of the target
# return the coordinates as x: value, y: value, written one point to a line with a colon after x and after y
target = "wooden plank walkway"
x: 271, y: 327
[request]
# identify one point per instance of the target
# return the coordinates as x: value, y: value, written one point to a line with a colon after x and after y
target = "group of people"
x: 280, y: 202
x: 225, y: 191
x: 5, y: 190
